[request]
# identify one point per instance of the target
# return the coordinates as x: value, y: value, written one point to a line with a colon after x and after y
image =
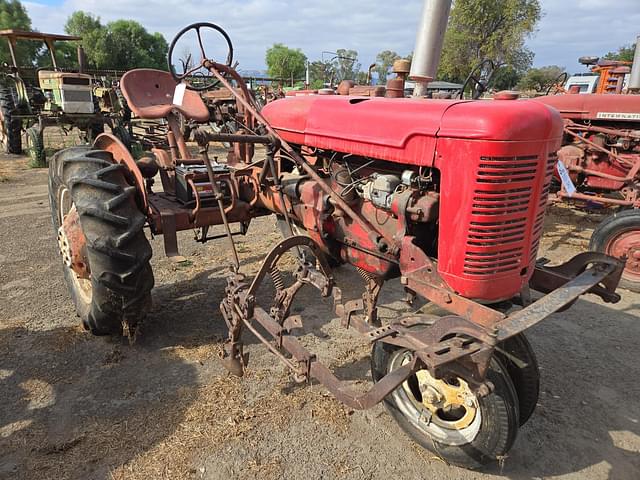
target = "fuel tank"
x: 403, y: 130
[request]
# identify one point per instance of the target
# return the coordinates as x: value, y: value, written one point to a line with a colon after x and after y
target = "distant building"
x: 435, y: 86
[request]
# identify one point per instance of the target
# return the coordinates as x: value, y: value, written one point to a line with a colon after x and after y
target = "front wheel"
x: 101, y: 239
x: 35, y: 147
x: 445, y: 416
x: 618, y: 235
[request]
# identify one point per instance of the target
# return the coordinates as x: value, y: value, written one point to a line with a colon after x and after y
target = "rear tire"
x: 482, y: 438
x: 118, y: 293
x: 619, y: 235
x: 10, y: 128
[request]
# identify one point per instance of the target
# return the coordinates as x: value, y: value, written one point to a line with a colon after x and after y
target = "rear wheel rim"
x: 81, y: 285
x: 627, y: 244
x: 421, y: 399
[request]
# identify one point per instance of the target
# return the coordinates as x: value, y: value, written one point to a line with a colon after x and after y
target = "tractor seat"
x: 149, y: 94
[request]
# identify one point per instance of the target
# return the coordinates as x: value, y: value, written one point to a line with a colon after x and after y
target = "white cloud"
x: 569, y: 29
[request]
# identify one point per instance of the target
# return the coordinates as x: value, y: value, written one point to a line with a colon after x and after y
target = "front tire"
x: 117, y: 293
x: 618, y: 235
x: 35, y: 147
x: 470, y: 434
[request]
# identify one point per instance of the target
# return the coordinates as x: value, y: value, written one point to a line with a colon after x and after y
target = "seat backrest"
x: 149, y: 94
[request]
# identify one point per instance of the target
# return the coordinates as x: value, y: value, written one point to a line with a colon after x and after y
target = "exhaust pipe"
x: 429, y: 41
x: 634, y: 77
x: 82, y: 60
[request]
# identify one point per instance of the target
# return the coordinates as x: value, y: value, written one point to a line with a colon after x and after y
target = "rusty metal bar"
x: 230, y: 137
x: 591, y: 198
x: 553, y: 301
x: 317, y: 370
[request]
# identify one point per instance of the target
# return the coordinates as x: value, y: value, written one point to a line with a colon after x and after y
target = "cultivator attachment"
x: 448, y: 345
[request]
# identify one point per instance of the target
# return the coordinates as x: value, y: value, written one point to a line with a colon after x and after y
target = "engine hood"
x: 405, y: 130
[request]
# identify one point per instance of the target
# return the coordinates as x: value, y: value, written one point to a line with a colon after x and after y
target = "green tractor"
x: 34, y: 99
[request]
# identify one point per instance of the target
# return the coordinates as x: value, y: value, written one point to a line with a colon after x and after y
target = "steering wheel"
x: 197, y: 71
x: 479, y: 87
x: 559, y: 80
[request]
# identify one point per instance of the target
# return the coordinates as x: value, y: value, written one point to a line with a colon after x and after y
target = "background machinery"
x: 34, y: 99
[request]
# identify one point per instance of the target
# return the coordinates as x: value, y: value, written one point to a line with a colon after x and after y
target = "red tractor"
x: 449, y: 196
x: 599, y: 163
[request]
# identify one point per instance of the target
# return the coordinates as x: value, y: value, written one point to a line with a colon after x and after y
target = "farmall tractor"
x: 53, y: 98
x: 448, y: 196
x: 599, y: 163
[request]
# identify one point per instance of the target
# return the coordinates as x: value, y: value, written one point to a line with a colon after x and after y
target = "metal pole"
x: 429, y: 41
x: 634, y: 77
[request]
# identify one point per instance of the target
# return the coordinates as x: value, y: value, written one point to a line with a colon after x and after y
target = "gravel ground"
x: 79, y: 407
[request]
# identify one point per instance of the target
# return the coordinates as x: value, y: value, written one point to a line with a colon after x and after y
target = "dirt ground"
x: 73, y: 406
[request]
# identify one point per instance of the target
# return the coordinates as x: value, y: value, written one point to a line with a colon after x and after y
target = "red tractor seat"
x: 149, y: 94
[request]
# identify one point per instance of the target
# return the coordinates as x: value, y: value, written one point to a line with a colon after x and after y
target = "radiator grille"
x: 498, y: 235
x: 77, y: 96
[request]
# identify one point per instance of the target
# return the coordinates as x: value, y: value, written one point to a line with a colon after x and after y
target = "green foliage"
x: 624, y: 53
x: 284, y: 62
x: 488, y: 29
x: 505, y: 78
x: 361, y: 78
x: 347, y: 65
x: 384, y: 62
x: 320, y: 72
x: 13, y: 15
x: 540, y: 79
x: 119, y: 45
x: 82, y: 24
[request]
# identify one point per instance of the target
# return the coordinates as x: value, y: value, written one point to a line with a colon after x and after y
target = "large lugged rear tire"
x: 10, y: 139
x: 471, y: 433
x: 118, y: 291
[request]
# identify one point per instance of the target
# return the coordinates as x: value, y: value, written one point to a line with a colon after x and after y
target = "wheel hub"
x: 627, y: 244
x: 73, y: 244
x: 451, y: 403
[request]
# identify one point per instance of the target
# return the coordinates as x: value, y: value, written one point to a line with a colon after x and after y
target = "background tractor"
x: 33, y: 99
x: 599, y: 162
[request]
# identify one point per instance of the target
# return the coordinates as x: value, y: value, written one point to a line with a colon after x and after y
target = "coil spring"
x: 367, y: 276
x: 276, y: 276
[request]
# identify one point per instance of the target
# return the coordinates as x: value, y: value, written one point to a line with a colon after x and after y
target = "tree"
x: 384, y: 61
x: 13, y: 15
x: 118, y: 45
x: 624, y: 53
x: 347, y: 64
x: 82, y: 24
x: 540, y: 79
x: 320, y: 72
x: 125, y: 44
x: 284, y: 62
x: 495, y: 30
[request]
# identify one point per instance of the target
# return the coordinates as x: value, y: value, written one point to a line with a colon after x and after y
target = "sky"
x: 568, y: 29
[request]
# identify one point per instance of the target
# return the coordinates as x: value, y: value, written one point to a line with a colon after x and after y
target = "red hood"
x: 405, y: 130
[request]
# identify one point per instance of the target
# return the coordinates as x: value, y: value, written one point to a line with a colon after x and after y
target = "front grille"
x: 76, y: 96
x: 502, y: 200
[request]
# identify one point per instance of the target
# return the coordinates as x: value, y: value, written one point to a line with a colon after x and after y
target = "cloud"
x: 575, y: 28
x: 569, y: 29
